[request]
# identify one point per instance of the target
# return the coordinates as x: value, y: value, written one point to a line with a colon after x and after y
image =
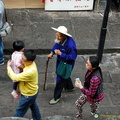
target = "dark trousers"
x: 15, y: 84
x: 63, y: 83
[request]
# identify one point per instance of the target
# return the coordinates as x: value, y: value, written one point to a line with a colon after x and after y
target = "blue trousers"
x: 1, y: 50
x: 27, y: 102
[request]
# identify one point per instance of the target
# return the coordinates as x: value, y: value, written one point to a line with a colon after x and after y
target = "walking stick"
x: 46, y: 74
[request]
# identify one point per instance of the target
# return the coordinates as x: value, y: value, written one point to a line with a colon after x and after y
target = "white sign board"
x: 68, y: 5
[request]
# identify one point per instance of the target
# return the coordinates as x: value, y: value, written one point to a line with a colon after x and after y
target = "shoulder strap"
x: 5, y: 15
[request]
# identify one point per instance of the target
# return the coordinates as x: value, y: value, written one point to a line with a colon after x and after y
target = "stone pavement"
x: 33, y: 26
x: 109, y: 108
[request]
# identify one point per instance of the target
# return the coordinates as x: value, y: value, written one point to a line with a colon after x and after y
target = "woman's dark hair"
x: 30, y: 55
x: 18, y: 45
x: 94, y: 61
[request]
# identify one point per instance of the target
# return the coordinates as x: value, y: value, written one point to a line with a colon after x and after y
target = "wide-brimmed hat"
x: 62, y: 29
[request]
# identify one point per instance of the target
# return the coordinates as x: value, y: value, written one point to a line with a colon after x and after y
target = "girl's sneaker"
x: 14, y: 94
x: 79, y: 117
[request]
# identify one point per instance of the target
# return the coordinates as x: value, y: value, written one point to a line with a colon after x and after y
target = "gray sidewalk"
x: 33, y: 26
x: 109, y: 108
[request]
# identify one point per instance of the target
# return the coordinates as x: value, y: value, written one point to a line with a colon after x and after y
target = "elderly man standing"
x: 65, y: 49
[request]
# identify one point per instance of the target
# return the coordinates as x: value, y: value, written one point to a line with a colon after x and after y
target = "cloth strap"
x: 5, y: 15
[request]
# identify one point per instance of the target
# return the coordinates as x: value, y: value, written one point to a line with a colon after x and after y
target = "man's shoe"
x: 2, y: 63
x: 70, y: 90
x: 53, y: 101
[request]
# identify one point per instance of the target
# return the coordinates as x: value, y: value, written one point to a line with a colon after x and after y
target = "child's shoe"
x: 79, y: 117
x: 18, y: 92
x: 14, y: 94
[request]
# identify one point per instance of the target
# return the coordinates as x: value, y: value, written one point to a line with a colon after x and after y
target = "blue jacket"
x: 68, y: 49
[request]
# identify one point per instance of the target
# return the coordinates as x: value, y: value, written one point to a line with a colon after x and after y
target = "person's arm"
x: 71, y: 55
x: 21, y: 66
x: 56, y: 46
x: 71, y: 51
x: 52, y: 51
x: 24, y: 76
x: 50, y: 55
x: 78, y: 84
x: 94, y: 83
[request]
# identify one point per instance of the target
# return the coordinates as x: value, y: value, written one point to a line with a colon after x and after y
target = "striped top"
x: 91, y: 91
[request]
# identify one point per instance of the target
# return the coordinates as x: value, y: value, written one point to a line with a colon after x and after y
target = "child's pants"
x: 15, y: 84
x: 79, y: 104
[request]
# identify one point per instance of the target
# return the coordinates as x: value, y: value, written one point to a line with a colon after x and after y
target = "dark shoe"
x: 70, y: 90
x: 53, y: 101
x: 2, y: 63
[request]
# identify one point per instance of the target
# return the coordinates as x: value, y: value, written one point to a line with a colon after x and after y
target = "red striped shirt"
x: 90, y: 92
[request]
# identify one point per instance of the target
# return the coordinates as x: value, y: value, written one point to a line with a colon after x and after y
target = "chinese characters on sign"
x: 68, y: 5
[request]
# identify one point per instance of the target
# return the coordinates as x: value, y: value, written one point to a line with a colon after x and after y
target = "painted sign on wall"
x: 68, y: 5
